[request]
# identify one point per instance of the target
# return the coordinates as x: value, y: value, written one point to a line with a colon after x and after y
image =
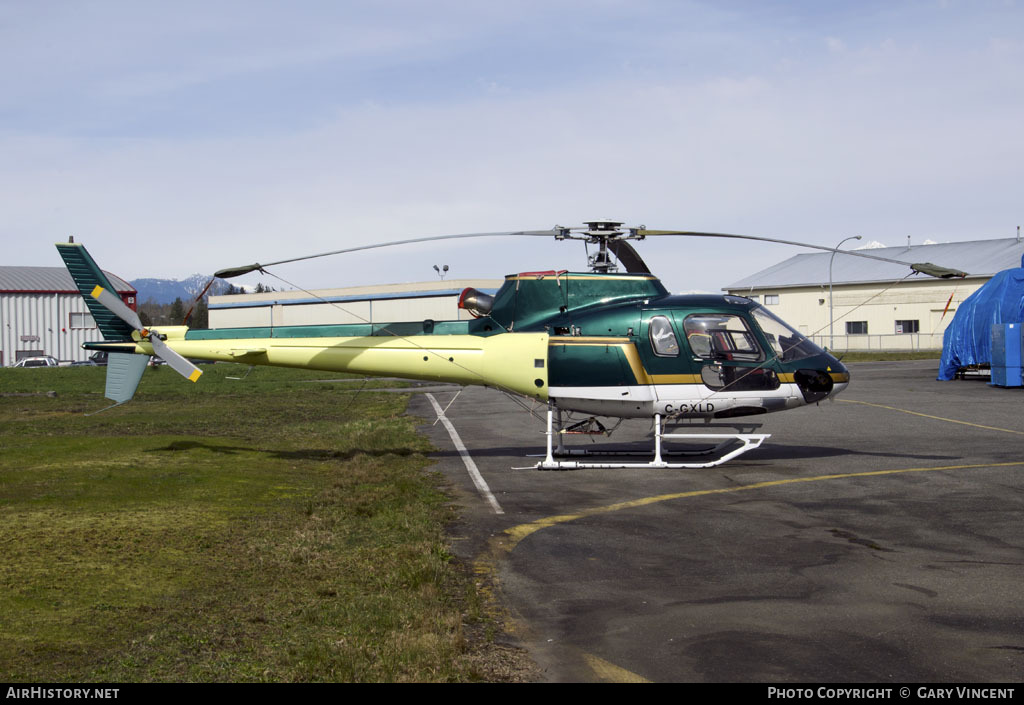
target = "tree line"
x: 152, y: 313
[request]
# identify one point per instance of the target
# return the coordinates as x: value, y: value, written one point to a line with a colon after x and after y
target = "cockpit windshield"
x: 787, y: 343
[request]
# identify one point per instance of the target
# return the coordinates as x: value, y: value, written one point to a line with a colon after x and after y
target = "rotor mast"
x: 601, y: 233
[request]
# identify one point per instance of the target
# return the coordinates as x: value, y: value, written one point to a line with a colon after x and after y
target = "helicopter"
x: 603, y: 343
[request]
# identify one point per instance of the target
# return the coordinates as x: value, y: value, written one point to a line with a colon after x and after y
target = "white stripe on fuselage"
x: 687, y: 400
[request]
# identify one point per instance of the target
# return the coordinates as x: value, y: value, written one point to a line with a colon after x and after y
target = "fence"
x: 894, y: 342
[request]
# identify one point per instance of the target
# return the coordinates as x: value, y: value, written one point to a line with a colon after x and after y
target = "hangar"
x: 875, y: 305
x: 42, y: 312
x: 417, y: 301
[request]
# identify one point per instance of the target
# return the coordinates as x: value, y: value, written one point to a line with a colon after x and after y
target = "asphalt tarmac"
x: 875, y: 539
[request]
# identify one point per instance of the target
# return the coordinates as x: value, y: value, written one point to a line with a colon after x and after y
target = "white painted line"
x: 474, y: 473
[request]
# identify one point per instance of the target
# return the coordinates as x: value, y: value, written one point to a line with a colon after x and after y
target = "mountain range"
x: 165, y: 291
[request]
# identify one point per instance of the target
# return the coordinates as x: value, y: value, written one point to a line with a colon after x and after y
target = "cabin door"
x: 730, y: 357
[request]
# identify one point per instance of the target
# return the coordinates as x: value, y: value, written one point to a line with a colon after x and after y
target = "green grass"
x: 270, y: 529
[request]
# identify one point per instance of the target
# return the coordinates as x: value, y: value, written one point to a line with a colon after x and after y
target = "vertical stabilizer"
x: 124, y: 370
x: 88, y: 276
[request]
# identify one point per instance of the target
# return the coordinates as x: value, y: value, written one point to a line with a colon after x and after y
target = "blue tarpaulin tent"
x: 967, y: 340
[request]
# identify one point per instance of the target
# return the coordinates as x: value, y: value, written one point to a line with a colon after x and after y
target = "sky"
x: 186, y: 137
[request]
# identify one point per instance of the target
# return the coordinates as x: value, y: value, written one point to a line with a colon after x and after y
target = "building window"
x: 82, y: 320
x: 856, y: 327
x: 771, y: 299
x: 907, y: 326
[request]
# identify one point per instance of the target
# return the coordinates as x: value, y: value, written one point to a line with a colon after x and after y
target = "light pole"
x: 831, y: 340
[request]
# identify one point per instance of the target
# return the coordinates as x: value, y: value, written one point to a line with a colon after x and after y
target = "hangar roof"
x: 48, y: 280
x: 979, y: 258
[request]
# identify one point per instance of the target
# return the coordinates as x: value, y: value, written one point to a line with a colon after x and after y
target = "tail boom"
x: 516, y: 362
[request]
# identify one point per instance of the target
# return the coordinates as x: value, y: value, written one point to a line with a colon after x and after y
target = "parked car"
x: 45, y: 361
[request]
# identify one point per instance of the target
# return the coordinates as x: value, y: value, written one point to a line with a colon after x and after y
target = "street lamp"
x: 831, y: 340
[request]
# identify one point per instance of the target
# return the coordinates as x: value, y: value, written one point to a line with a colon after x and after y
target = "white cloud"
x: 835, y: 45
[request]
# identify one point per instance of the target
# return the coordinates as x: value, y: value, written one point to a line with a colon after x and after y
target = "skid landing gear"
x: 719, y: 443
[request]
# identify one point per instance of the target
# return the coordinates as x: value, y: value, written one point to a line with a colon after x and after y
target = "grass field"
x: 872, y: 356
x: 269, y: 529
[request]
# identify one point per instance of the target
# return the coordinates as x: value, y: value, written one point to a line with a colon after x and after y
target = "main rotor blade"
x: 116, y: 306
x: 934, y: 270
x: 922, y: 268
x: 245, y: 269
x: 178, y: 363
x: 628, y: 256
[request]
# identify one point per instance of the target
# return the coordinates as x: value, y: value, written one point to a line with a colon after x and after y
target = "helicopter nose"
x: 840, y: 379
x: 817, y: 384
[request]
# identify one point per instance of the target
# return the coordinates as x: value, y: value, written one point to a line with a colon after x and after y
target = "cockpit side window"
x: 663, y: 338
x: 721, y: 336
x: 787, y: 344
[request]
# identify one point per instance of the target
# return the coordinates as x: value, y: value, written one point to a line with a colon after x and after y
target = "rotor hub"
x: 602, y: 229
x: 600, y: 233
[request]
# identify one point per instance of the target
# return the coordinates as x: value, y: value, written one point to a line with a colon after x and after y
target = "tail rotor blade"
x: 119, y: 308
x: 179, y: 364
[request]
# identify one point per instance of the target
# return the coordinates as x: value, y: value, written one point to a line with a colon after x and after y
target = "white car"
x: 45, y: 361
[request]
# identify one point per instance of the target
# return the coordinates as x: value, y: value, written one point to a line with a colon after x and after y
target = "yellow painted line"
x: 610, y: 672
x: 929, y: 416
x: 516, y: 534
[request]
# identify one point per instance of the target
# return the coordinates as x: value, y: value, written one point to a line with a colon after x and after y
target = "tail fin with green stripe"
x: 88, y: 276
x: 124, y: 370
